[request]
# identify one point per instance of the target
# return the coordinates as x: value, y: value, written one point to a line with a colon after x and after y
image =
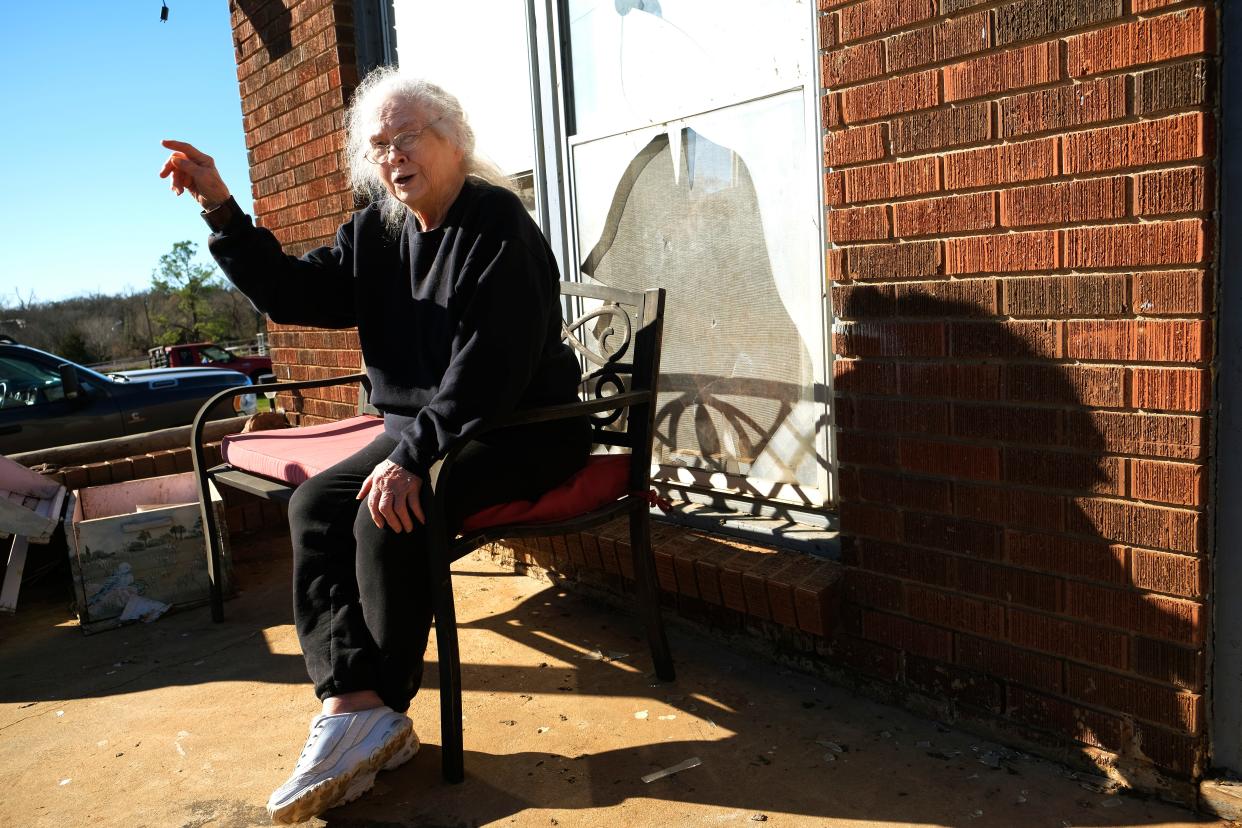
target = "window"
x: 653, y: 61
x: 692, y: 169
x: 212, y: 354
x: 478, y: 51
x: 24, y: 383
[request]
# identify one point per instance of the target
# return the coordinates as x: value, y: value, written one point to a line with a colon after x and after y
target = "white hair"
x: 385, y: 84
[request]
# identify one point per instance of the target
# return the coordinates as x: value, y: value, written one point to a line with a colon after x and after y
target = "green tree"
x: 188, y: 287
x: 72, y: 345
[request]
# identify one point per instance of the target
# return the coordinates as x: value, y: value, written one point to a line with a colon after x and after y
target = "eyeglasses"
x: 403, y: 142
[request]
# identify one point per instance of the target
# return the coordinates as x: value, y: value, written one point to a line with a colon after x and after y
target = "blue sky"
x: 90, y: 89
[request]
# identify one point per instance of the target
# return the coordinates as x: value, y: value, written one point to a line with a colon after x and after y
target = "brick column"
x: 1019, y: 212
x: 296, y: 70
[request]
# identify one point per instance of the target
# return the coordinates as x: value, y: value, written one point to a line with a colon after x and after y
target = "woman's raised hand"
x: 194, y: 171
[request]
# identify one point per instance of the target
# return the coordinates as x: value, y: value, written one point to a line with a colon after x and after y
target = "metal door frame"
x: 1224, y: 676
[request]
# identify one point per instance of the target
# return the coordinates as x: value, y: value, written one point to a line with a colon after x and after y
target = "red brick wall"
x: 296, y: 69
x: 1019, y: 213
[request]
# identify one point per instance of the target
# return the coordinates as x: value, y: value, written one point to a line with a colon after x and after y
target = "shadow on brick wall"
x: 988, y: 543
x: 271, y: 20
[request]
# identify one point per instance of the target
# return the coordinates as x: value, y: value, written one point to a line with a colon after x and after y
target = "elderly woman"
x: 455, y: 295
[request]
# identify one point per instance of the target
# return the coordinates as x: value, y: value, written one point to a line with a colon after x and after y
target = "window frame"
x: 739, y: 490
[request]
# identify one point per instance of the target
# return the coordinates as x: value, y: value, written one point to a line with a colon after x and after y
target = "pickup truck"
x: 48, y: 401
x: 208, y: 355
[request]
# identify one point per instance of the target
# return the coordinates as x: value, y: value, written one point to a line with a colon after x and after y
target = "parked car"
x: 208, y: 355
x: 48, y: 401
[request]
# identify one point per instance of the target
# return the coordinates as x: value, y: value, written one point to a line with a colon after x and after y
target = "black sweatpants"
x: 362, y: 596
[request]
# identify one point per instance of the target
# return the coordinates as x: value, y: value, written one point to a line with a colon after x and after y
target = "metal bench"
x: 618, y: 334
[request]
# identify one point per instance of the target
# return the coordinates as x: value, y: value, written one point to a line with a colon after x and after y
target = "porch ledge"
x: 719, y: 574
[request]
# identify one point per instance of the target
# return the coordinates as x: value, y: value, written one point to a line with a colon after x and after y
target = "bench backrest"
x: 618, y: 334
x: 364, y: 398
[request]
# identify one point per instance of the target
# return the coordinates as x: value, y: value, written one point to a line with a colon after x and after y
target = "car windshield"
x: 23, y: 383
x: 214, y: 353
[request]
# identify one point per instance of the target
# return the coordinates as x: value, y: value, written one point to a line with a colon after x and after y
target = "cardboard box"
x: 140, y: 540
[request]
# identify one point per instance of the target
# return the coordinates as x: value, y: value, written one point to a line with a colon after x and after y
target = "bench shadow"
x: 740, y: 767
x: 760, y: 750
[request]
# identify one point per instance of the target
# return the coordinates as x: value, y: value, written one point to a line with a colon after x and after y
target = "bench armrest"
x: 200, y: 419
x: 258, y: 388
x: 565, y: 411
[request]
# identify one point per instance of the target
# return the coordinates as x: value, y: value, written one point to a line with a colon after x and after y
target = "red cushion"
x: 603, y: 479
x: 287, y: 454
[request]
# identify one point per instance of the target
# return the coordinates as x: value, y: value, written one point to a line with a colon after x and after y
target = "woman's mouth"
x: 402, y: 180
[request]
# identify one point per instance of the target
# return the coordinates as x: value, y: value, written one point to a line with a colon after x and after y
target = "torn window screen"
x: 719, y: 213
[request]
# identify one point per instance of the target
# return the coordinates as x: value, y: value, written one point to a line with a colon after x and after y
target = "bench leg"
x: 211, y: 530
x: 452, y: 751
x: 649, y: 591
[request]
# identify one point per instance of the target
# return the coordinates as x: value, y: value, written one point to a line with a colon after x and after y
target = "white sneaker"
x: 408, y: 748
x: 339, y: 762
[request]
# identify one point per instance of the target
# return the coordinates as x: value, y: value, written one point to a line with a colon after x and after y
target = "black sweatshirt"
x: 459, y: 325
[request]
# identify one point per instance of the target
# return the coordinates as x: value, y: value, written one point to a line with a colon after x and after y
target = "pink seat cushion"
x: 602, y: 480
x: 296, y: 454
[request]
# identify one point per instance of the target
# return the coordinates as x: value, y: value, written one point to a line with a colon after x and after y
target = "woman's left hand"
x: 392, y: 495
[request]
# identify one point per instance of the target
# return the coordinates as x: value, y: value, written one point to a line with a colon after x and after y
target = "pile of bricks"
x: 243, y: 512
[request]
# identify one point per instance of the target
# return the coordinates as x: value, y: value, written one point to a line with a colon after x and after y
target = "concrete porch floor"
x: 187, y: 723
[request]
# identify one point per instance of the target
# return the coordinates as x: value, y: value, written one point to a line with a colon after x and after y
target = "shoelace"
x: 310, y: 742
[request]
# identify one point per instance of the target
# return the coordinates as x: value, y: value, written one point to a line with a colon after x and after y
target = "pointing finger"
x: 190, y: 150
